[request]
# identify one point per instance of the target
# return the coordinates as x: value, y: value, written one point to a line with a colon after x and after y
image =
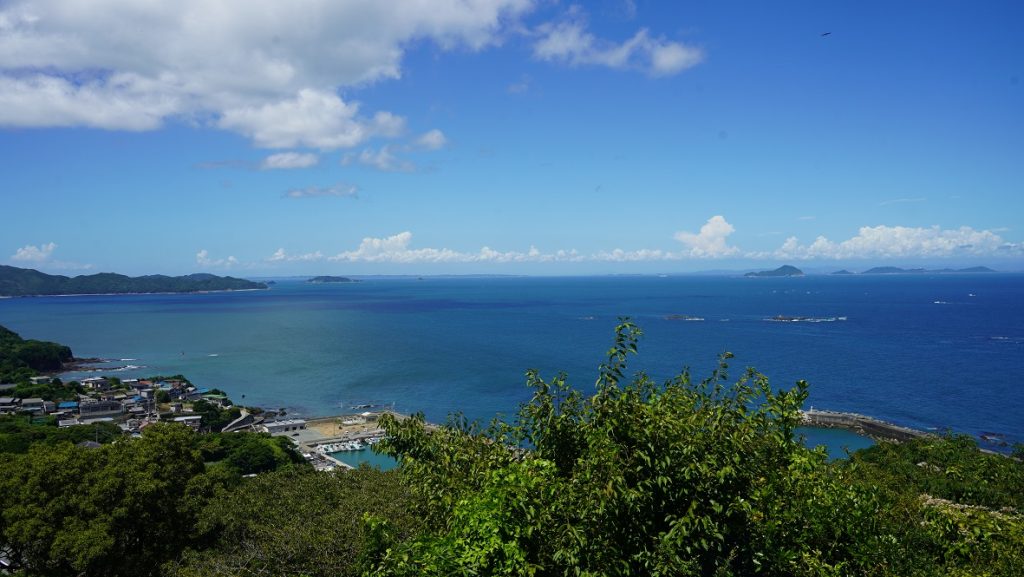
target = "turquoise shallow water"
x: 927, y: 351
x: 356, y: 458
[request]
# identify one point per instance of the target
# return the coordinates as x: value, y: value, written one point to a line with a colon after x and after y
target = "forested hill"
x: 16, y: 281
x: 20, y: 357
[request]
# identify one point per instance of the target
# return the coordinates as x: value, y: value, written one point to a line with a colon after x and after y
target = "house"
x: 192, y: 421
x: 7, y: 387
x: 96, y: 383
x: 34, y: 405
x: 100, y: 409
x: 9, y: 405
x: 282, y: 427
x: 43, y: 380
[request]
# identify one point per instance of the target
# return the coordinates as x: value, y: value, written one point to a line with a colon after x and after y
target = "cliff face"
x: 16, y: 281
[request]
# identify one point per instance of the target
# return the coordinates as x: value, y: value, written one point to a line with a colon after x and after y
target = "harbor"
x: 320, y: 438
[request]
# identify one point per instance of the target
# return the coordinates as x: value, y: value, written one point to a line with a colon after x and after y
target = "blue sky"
x: 261, y: 138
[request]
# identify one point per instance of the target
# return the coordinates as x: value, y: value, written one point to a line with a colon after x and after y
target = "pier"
x: 869, y: 426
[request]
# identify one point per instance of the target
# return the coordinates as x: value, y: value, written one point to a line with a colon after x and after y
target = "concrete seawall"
x: 874, y: 428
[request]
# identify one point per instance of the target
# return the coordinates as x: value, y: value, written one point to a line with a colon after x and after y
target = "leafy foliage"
x: 214, y: 417
x: 21, y: 359
x: 19, y: 432
x: 947, y: 467
x: 683, y: 478
x: 300, y: 522
x: 112, y: 510
x: 248, y: 453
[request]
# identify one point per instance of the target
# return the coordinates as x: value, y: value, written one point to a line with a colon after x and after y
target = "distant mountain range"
x: 784, y: 270
x: 897, y: 270
x: 16, y: 282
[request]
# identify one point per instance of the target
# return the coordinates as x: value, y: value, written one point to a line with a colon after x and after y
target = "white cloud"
x: 313, y: 118
x: 710, y: 242
x: 381, y: 159
x: 290, y: 160
x: 397, y: 249
x: 130, y: 65
x: 42, y: 256
x: 644, y: 254
x: 32, y: 253
x: 901, y: 242
x: 571, y: 43
x: 203, y: 259
x: 280, y: 255
x: 118, y: 102
x: 342, y: 190
x: 432, y: 140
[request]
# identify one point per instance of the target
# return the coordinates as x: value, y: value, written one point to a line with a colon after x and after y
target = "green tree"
x: 682, y: 478
x: 121, y: 509
x: 301, y: 522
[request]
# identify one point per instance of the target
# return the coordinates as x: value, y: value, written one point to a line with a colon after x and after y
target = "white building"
x: 282, y: 427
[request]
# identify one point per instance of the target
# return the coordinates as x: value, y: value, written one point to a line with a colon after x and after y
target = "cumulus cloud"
x: 203, y: 259
x: 117, y: 102
x: 242, y: 64
x: 901, y: 242
x: 314, y: 118
x: 32, y: 253
x: 290, y: 160
x: 569, y: 42
x: 711, y: 241
x: 342, y: 190
x: 432, y: 140
x: 42, y: 256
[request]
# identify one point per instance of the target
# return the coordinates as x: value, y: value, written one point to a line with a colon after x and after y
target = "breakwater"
x: 875, y: 428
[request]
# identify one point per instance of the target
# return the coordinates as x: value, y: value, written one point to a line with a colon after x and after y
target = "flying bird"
x: 826, y: 33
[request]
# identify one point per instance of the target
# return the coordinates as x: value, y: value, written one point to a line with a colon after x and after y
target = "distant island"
x: 898, y: 270
x: 330, y: 279
x: 784, y: 270
x: 18, y: 282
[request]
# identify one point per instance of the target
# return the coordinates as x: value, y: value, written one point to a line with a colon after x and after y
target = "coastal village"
x: 134, y: 404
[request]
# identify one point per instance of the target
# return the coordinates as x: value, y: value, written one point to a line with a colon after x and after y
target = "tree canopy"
x: 680, y: 478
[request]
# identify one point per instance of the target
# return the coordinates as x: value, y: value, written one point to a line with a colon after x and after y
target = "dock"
x: 877, y: 429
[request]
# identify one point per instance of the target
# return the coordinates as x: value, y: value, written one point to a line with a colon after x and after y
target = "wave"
x: 789, y: 319
x: 127, y: 368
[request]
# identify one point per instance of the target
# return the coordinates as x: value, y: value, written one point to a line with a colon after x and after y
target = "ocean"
x: 930, y: 351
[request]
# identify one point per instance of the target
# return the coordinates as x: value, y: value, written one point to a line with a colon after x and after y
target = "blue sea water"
x: 927, y: 351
